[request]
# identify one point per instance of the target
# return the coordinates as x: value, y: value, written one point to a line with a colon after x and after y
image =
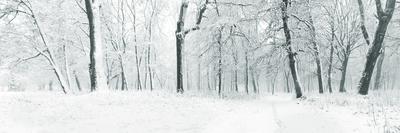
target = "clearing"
x: 158, y: 112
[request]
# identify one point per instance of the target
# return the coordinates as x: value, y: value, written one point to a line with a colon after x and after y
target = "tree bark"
x: 96, y: 71
x: 124, y: 82
x: 344, y: 69
x: 246, y: 77
x: 254, y: 81
x: 287, y: 82
x: 291, y: 54
x: 180, y: 35
x: 362, y: 22
x: 180, y: 40
x: 379, y: 70
x: 332, y: 49
x: 316, y: 50
x: 384, y: 17
x: 219, y: 61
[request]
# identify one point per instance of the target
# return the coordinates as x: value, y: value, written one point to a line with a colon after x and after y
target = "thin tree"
x: 47, y: 52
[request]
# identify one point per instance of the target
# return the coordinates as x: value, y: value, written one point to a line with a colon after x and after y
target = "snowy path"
x: 276, y: 115
x: 163, y: 113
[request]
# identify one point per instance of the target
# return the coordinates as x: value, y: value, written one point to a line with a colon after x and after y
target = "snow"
x: 161, y: 112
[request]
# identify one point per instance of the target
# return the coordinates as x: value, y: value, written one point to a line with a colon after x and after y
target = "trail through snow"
x: 166, y: 113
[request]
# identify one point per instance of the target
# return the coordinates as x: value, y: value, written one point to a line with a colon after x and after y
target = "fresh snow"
x: 158, y: 112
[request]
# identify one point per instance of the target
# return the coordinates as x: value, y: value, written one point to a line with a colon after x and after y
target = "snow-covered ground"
x: 158, y: 112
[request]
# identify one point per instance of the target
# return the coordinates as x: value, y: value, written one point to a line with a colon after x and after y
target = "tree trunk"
x: 344, y: 71
x: 117, y: 83
x: 236, y: 80
x: 331, y: 60
x: 97, y: 75
x: 246, y: 77
x: 379, y: 70
x: 67, y: 66
x: 137, y: 68
x: 51, y: 85
x: 180, y: 40
x: 316, y: 50
x: 253, y: 80
x: 319, y: 69
x: 48, y: 53
x: 78, y: 83
x: 199, y: 74
x: 287, y: 82
x: 291, y: 54
x: 180, y: 34
x: 149, y: 68
x: 124, y: 82
x: 384, y: 17
x: 219, y: 61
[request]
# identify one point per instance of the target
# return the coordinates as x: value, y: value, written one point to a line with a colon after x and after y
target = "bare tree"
x: 97, y: 75
x: 180, y: 34
x: 289, y: 49
x: 46, y: 52
x: 384, y: 16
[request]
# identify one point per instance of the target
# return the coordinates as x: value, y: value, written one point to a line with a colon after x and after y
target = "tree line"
x: 221, y: 45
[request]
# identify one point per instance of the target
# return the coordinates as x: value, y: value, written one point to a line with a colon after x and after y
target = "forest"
x: 200, y: 66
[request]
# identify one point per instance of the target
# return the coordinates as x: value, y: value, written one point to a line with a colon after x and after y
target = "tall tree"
x: 288, y: 45
x: 96, y: 71
x: 315, y: 48
x: 180, y: 35
x: 384, y: 16
x: 25, y: 7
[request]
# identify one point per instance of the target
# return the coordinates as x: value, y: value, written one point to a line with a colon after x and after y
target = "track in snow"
x: 164, y: 113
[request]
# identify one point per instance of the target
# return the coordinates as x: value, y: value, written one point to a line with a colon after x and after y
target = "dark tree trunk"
x: 149, y: 68
x: 291, y: 54
x: 180, y: 34
x: 124, y: 83
x: 246, y: 77
x: 96, y: 71
x: 117, y: 83
x: 316, y: 50
x: 319, y: 72
x: 384, y: 17
x: 236, y: 81
x: 219, y: 61
x: 139, y: 83
x: 344, y: 71
x: 331, y: 60
x: 208, y: 79
x: 379, y: 70
x: 180, y: 40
